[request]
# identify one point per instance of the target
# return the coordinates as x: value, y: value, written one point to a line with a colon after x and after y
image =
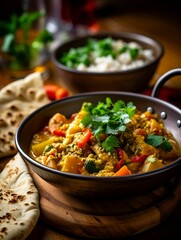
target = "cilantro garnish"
x: 159, y: 141
x: 97, y: 48
x: 110, y: 118
x: 132, y: 51
x: 47, y: 149
x: 111, y: 143
x: 151, y: 159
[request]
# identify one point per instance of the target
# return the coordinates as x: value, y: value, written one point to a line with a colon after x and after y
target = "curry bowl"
x: 129, y: 75
x: 109, y: 186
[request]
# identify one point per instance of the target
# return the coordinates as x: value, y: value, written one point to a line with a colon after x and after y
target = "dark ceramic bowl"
x: 133, y: 80
x: 93, y: 186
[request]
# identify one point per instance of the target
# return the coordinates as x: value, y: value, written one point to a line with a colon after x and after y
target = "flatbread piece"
x: 19, y: 201
x: 17, y: 100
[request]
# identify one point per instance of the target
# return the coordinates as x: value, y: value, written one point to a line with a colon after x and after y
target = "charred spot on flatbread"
x: 9, y: 92
x: 14, y: 108
x: 3, y: 123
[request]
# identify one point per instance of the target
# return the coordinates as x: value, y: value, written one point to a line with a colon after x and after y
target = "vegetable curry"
x: 107, y: 139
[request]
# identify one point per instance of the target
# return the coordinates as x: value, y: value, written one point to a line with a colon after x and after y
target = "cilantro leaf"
x: 110, y: 143
x: 159, y: 141
x: 119, y: 105
x: 86, y: 121
x: 133, y: 52
x: 112, y: 129
x: 151, y: 159
x: 166, y: 145
x: 101, y: 119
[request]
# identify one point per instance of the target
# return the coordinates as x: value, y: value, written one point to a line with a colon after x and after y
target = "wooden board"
x: 106, y: 218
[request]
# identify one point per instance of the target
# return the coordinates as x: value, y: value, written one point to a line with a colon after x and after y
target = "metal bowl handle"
x: 163, y: 79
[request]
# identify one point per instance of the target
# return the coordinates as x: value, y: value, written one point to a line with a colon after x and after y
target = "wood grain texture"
x: 106, y: 218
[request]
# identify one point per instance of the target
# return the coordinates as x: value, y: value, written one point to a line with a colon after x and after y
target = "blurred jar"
x: 40, y: 52
x: 71, y: 17
x: 79, y: 15
x: 26, y: 51
x: 35, y: 6
x: 53, y: 17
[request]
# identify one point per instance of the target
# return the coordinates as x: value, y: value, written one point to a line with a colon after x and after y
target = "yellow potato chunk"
x: 38, y: 148
x: 76, y: 125
x: 151, y: 163
x: 72, y: 164
x: 145, y: 149
x: 154, y: 125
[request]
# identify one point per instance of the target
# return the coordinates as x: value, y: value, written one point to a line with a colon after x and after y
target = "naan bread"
x: 18, y: 100
x: 19, y: 201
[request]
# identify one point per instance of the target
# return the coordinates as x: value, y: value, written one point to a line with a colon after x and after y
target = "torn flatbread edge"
x: 19, y: 201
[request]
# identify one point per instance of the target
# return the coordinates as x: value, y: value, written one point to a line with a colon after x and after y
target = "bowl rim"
x: 132, y: 35
x: 91, y: 178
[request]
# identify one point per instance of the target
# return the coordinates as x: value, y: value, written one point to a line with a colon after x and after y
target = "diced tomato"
x: 119, y: 165
x: 120, y: 156
x: 55, y: 92
x: 85, y: 138
x: 94, y: 28
x: 58, y: 132
x: 139, y: 158
x: 46, y: 129
x: 73, y: 116
x: 120, y: 153
x: 51, y: 90
x: 140, y: 131
x: 61, y: 93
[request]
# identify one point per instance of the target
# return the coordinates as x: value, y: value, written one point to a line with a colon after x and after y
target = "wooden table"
x: 163, y: 25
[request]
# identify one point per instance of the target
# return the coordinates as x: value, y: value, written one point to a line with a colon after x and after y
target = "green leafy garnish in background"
x: 96, y: 47
x: 133, y: 52
x: 23, y: 51
x: 159, y: 141
x: 108, y: 118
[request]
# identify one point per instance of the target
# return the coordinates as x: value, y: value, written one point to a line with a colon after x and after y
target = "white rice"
x: 122, y: 62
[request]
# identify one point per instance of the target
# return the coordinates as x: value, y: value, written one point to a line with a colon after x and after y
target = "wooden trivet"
x: 106, y: 218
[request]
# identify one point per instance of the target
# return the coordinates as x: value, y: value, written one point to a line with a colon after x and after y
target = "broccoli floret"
x: 47, y: 149
x: 91, y: 166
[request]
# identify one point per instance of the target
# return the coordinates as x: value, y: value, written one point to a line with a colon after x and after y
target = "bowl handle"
x: 163, y: 79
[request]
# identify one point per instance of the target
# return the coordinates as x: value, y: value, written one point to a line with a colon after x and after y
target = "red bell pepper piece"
x: 73, y: 116
x: 51, y: 90
x: 120, y: 153
x: 139, y: 158
x: 85, y: 138
x: 61, y: 93
x: 59, y: 133
x: 120, y: 156
x: 140, y: 131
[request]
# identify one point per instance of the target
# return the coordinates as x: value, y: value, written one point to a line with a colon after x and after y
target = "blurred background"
x: 102, y: 7
x: 66, y: 18
x: 78, y: 16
